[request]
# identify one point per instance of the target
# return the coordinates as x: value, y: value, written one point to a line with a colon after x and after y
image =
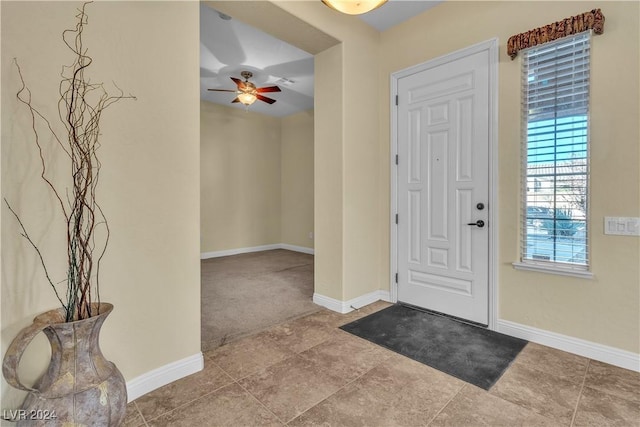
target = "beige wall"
x: 297, y: 179
x: 256, y: 178
x: 348, y: 225
x: 149, y: 182
x: 240, y: 177
x: 328, y: 170
x: 604, y: 310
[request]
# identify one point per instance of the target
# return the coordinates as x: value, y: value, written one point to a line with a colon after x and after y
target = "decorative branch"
x: 44, y: 266
x: 80, y: 109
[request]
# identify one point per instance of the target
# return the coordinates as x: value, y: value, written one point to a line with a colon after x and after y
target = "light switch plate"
x: 622, y: 226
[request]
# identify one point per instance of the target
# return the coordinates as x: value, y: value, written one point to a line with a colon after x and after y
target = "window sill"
x: 582, y: 274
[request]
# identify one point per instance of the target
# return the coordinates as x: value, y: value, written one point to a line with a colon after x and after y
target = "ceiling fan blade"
x: 222, y: 90
x: 265, y: 99
x: 235, y: 100
x: 268, y: 89
x: 239, y: 82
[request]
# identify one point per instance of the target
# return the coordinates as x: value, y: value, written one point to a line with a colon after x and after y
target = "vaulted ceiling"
x: 228, y: 47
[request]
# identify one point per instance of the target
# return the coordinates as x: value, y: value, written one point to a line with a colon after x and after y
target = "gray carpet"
x: 471, y: 353
x: 247, y: 293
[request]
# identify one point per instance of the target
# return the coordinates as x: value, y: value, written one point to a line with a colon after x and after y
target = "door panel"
x: 443, y: 173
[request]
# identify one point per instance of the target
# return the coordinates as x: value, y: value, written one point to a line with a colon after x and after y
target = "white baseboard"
x: 355, y: 303
x: 295, y: 248
x: 217, y: 254
x: 611, y: 355
x: 164, y: 375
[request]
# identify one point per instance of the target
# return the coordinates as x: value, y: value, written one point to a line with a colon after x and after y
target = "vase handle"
x: 14, y: 354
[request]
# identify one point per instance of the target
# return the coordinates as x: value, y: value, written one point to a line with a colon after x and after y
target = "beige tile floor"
x: 308, y: 372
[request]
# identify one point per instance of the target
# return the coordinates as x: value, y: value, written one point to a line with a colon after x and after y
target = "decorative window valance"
x: 575, y: 24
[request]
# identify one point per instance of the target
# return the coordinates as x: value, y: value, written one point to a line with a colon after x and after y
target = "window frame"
x: 552, y: 266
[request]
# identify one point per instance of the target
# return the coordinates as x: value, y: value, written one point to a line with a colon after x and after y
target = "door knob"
x: 479, y: 223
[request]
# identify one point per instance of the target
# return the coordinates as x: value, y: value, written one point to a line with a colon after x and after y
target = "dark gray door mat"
x: 471, y: 353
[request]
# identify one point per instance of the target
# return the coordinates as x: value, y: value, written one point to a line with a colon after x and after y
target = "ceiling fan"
x: 248, y: 92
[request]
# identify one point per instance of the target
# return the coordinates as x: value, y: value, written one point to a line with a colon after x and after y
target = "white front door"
x: 443, y: 187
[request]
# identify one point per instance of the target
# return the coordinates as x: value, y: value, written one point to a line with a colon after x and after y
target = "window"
x: 555, y: 113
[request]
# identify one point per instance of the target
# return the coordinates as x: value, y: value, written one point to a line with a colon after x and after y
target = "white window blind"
x: 555, y: 112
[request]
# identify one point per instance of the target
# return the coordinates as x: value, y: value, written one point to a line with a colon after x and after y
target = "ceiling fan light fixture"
x: 247, y: 98
x: 247, y: 93
x: 354, y: 7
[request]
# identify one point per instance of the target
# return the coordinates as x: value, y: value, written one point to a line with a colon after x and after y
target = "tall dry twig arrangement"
x: 80, y: 108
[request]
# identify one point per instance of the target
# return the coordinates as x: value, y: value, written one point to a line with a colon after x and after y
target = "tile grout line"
x: 584, y: 380
x: 290, y: 354
x: 447, y: 404
x: 237, y: 381
x: 190, y: 401
x: 223, y: 370
x: 312, y: 406
x: 186, y: 403
x: 260, y: 330
x: 338, y: 390
x: 260, y: 403
x: 144, y: 421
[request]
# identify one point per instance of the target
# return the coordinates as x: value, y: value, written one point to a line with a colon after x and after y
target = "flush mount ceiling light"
x: 354, y: 7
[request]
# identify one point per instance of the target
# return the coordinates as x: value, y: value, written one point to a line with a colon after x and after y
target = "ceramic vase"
x: 80, y: 387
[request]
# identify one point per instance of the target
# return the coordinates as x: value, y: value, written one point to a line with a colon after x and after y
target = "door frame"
x: 492, y: 47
